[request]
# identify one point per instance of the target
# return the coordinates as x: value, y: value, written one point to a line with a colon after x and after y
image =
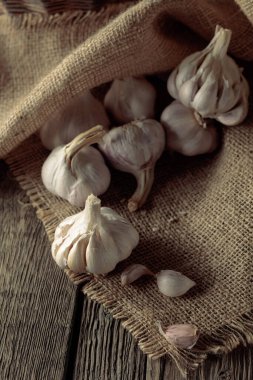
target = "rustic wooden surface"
x: 50, y: 331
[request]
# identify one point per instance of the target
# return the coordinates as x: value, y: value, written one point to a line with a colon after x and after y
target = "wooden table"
x: 50, y: 331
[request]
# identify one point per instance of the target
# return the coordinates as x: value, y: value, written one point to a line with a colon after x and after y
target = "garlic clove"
x: 133, y: 272
x: 183, y: 336
x: 173, y: 284
x: 134, y: 148
x: 130, y: 99
x: 80, y: 114
x: 237, y: 114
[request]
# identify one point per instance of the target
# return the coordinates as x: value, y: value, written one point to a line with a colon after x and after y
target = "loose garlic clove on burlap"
x: 173, y: 284
x: 133, y: 272
x: 75, y: 170
x: 130, y: 99
x: 184, y: 131
x: 94, y: 240
x: 183, y: 336
x: 79, y: 115
x: 134, y: 148
x: 211, y: 83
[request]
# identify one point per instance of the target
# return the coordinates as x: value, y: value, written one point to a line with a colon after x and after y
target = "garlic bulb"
x: 94, y: 240
x: 130, y: 99
x: 211, y: 83
x: 181, y: 335
x: 81, y: 114
x: 184, y: 132
x: 75, y: 170
x: 133, y: 272
x: 135, y: 148
x: 173, y: 284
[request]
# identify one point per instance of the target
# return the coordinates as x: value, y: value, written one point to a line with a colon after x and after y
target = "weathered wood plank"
x: 106, y: 351
x: 36, y: 298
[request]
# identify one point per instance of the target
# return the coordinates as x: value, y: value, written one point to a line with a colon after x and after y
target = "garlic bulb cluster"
x: 75, y: 170
x: 130, y: 99
x: 135, y: 148
x: 211, y: 83
x: 184, y: 134
x: 181, y: 335
x: 81, y: 114
x: 94, y: 240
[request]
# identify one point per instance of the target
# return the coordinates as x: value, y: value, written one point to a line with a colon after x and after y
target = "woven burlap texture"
x: 198, y: 218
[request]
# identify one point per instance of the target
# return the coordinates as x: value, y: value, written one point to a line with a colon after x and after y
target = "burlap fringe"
x: 223, y: 340
x: 30, y: 21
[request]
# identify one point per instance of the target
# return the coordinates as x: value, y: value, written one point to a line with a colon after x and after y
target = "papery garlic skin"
x: 173, y: 284
x: 134, y: 148
x: 130, y: 99
x: 210, y: 82
x: 184, y: 133
x: 134, y: 272
x: 183, y: 336
x: 85, y: 173
x: 80, y: 114
x: 94, y: 240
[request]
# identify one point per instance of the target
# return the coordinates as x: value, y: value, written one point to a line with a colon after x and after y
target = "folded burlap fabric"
x: 198, y: 219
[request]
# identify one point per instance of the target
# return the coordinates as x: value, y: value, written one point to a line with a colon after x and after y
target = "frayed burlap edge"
x: 236, y: 332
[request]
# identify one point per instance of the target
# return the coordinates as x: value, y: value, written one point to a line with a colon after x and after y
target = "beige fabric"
x: 198, y: 218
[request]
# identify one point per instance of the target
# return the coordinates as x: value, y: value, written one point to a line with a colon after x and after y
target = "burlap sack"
x: 198, y: 219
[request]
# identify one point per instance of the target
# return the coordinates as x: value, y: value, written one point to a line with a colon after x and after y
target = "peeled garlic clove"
x: 209, y: 81
x: 173, y: 284
x: 184, y: 132
x: 130, y: 99
x: 76, y: 170
x: 183, y: 336
x: 96, y: 240
x: 133, y: 272
x: 79, y: 115
x: 134, y: 148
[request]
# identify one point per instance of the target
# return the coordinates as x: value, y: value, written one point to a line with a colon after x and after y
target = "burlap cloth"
x: 198, y: 219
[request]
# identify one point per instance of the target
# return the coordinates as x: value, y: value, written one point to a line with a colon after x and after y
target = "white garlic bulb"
x: 130, y: 99
x: 211, y: 83
x: 134, y: 148
x: 81, y: 114
x: 94, y: 240
x: 184, y: 132
x: 173, y: 284
x: 75, y: 170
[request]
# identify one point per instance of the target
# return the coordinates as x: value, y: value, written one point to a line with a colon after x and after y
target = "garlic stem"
x: 92, y: 210
x: 145, y: 181
x: 221, y: 45
x: 92, y: 136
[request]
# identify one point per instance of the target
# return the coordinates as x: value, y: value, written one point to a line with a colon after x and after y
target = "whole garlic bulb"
x: 81, y: 114
x: 130, y: 99
x: 75, y: 170
x: 210, y: 82
x: 184, y: 132
x: 134, y: 148
x: 94, y: 240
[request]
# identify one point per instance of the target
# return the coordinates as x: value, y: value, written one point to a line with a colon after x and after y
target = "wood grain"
x: 36, y: 299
